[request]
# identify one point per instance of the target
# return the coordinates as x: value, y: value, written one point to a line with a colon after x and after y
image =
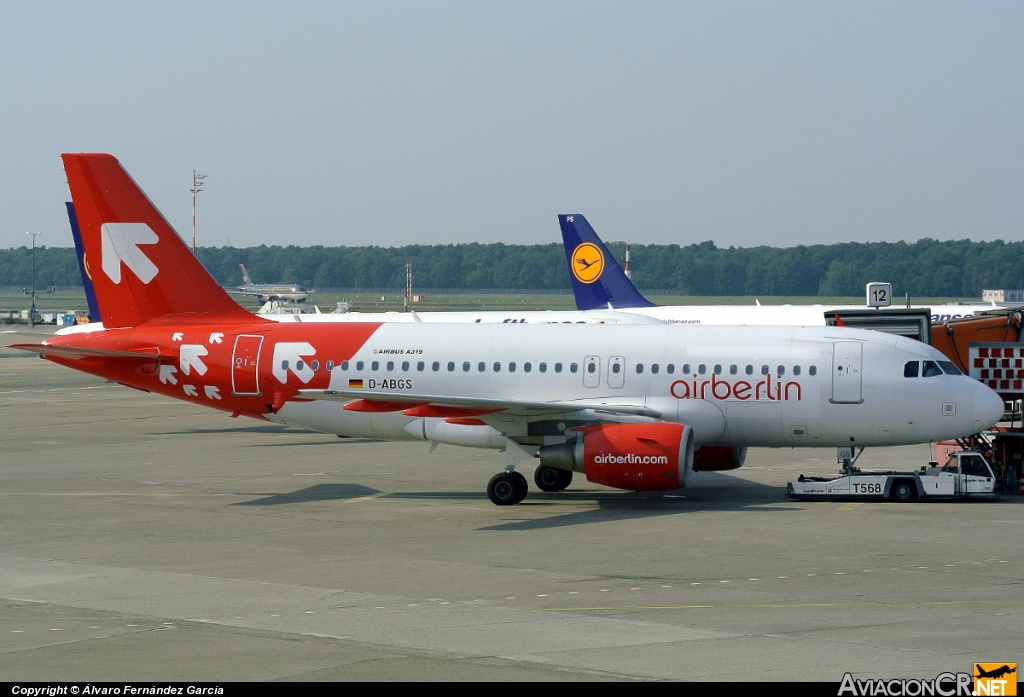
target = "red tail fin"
x: 140, y: 268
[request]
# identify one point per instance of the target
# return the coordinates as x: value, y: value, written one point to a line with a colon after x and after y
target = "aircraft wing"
x: 77, y: 353
x: 597, y: 409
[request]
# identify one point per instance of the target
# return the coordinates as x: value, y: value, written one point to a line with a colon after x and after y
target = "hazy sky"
x: 394, y: 123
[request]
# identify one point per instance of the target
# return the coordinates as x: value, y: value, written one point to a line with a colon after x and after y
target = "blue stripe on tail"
x: 90, y: 293
x: 597, y: 279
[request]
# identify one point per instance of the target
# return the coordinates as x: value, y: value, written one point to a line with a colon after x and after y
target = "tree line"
x: 927, y: 267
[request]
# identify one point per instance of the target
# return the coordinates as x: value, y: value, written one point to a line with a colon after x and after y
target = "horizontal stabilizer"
x: 78, y: 352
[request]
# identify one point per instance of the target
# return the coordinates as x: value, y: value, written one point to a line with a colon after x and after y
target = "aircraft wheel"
x: 551, y: 479
x: 506, y: 488
x: 903, y: 492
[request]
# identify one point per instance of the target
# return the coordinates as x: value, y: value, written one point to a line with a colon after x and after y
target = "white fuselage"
x: 773, y: 386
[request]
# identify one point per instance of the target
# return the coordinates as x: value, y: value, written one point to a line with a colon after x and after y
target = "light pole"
x: 197, y: 188
x: 32, y: 311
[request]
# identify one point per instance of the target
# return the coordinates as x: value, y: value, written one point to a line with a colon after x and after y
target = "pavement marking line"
x: 785, y: 605
x: 366, y: 498
x: 850, y: 506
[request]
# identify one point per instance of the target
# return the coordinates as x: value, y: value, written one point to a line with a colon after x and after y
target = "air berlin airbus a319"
x: 635, y: 407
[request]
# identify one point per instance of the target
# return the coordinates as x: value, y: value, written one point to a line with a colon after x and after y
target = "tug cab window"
x: 911, y: 369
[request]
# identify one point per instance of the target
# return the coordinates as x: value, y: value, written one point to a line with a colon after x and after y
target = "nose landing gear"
x: 507, y: 488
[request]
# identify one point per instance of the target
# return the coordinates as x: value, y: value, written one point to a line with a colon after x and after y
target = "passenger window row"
x: 929, y: 369
x: 734, y: 369
x: 421, y: 366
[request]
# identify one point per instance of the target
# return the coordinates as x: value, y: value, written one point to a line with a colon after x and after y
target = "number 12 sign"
x: 879, y: 294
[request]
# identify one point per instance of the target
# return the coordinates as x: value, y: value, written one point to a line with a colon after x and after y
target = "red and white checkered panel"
x: 998, y: 365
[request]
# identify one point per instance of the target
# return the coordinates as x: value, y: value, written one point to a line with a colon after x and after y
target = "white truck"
x: 965, y: 475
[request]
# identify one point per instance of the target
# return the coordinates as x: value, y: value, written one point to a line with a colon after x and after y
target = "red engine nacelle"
x: 642, y: 457
x: 718, y: 458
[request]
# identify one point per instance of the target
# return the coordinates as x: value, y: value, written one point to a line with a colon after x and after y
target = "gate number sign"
x: 879, y: 294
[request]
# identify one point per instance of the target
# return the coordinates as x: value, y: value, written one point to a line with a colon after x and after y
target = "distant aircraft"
x: 599, y: 282
x: 269, y: 291
x: 997, y: 673
x: 627, y: 406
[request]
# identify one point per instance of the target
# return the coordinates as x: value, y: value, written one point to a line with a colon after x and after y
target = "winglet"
x: 597, y: 279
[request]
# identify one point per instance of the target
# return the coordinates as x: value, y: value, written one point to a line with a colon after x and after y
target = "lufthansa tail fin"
x: 140, y: 269
x: 245, y: 275
x: 597, y: 279
x: 83, y: 265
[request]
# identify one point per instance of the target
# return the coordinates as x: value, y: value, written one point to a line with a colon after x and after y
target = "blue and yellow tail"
x: 90, y: 292
x: 597, y: 279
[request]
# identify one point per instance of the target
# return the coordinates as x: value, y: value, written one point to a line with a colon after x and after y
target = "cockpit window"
x: 949, y: 369
x: 931, y: 369
x: 911, y: 369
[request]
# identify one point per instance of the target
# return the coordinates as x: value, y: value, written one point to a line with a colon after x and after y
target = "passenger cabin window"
x: 299, y: 365
x: 330, y: 365
x: 686, y: 369
x: 764, y: 370
x: 616, y: 368
x: 497, y: 367
x: 359, y: 365
x: 543, y: 367
x: 481, y: 367
x: 435, y: 366
x: 782, y: 371
x: 573, y: 367
x: 733, y: 370
x: 451, y: 366
x: 591, y: 367
x: 930, y: 369
x: 405, y: 365
x: 654, y: 368
x: 375, y: 365
x: 391, y: 365
x: 558, y: 367
x: 813, y: 370
x: 670, y: 368
x: 911, y: 369
x: 420, y: 366
x: 796, y: 370
x: 718, y: 369
x: 749, y: 370
x: 702, y: 369
x: 344, y: 365
x: 465, y: 367
x: 511, y: 367
x: 527, y: 367
x: 284, y: 365
x: 315, y: 365
x: 949, y: 369
x: 639, y: 368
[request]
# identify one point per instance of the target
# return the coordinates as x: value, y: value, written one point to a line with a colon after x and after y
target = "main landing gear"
x: 550, y: 479
x: 509, y: 487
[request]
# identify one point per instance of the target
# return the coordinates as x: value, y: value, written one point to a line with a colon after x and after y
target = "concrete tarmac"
x: 148, y: 539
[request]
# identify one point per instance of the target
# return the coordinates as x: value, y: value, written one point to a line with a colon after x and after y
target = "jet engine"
x: 641, y: 457
x: 718, y: 458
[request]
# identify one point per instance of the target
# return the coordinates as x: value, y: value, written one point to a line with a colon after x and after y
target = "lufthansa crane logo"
x: 587, y: 262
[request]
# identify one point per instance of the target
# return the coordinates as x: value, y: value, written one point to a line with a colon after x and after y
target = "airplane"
x: 598, y: 281
x: 995, y: 673
x: 270, y: 291
x: 633, y: 407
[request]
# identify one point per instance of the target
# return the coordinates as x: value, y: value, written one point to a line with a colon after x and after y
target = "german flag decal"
x: 355, y: 384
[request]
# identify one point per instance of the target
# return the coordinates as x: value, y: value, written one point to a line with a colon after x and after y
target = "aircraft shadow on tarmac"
x: 716, y: 493
x: 317, y: 492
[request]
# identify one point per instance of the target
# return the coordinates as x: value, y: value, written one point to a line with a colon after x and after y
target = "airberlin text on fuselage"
x: 768, y: 389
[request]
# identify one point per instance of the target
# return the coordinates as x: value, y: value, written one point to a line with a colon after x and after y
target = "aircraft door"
x: 846, y: 372
x: 245, y: 361
x: 591, y: 371
x: 616, y: 371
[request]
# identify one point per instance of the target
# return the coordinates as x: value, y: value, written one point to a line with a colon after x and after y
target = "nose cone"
x: 988, y: 408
